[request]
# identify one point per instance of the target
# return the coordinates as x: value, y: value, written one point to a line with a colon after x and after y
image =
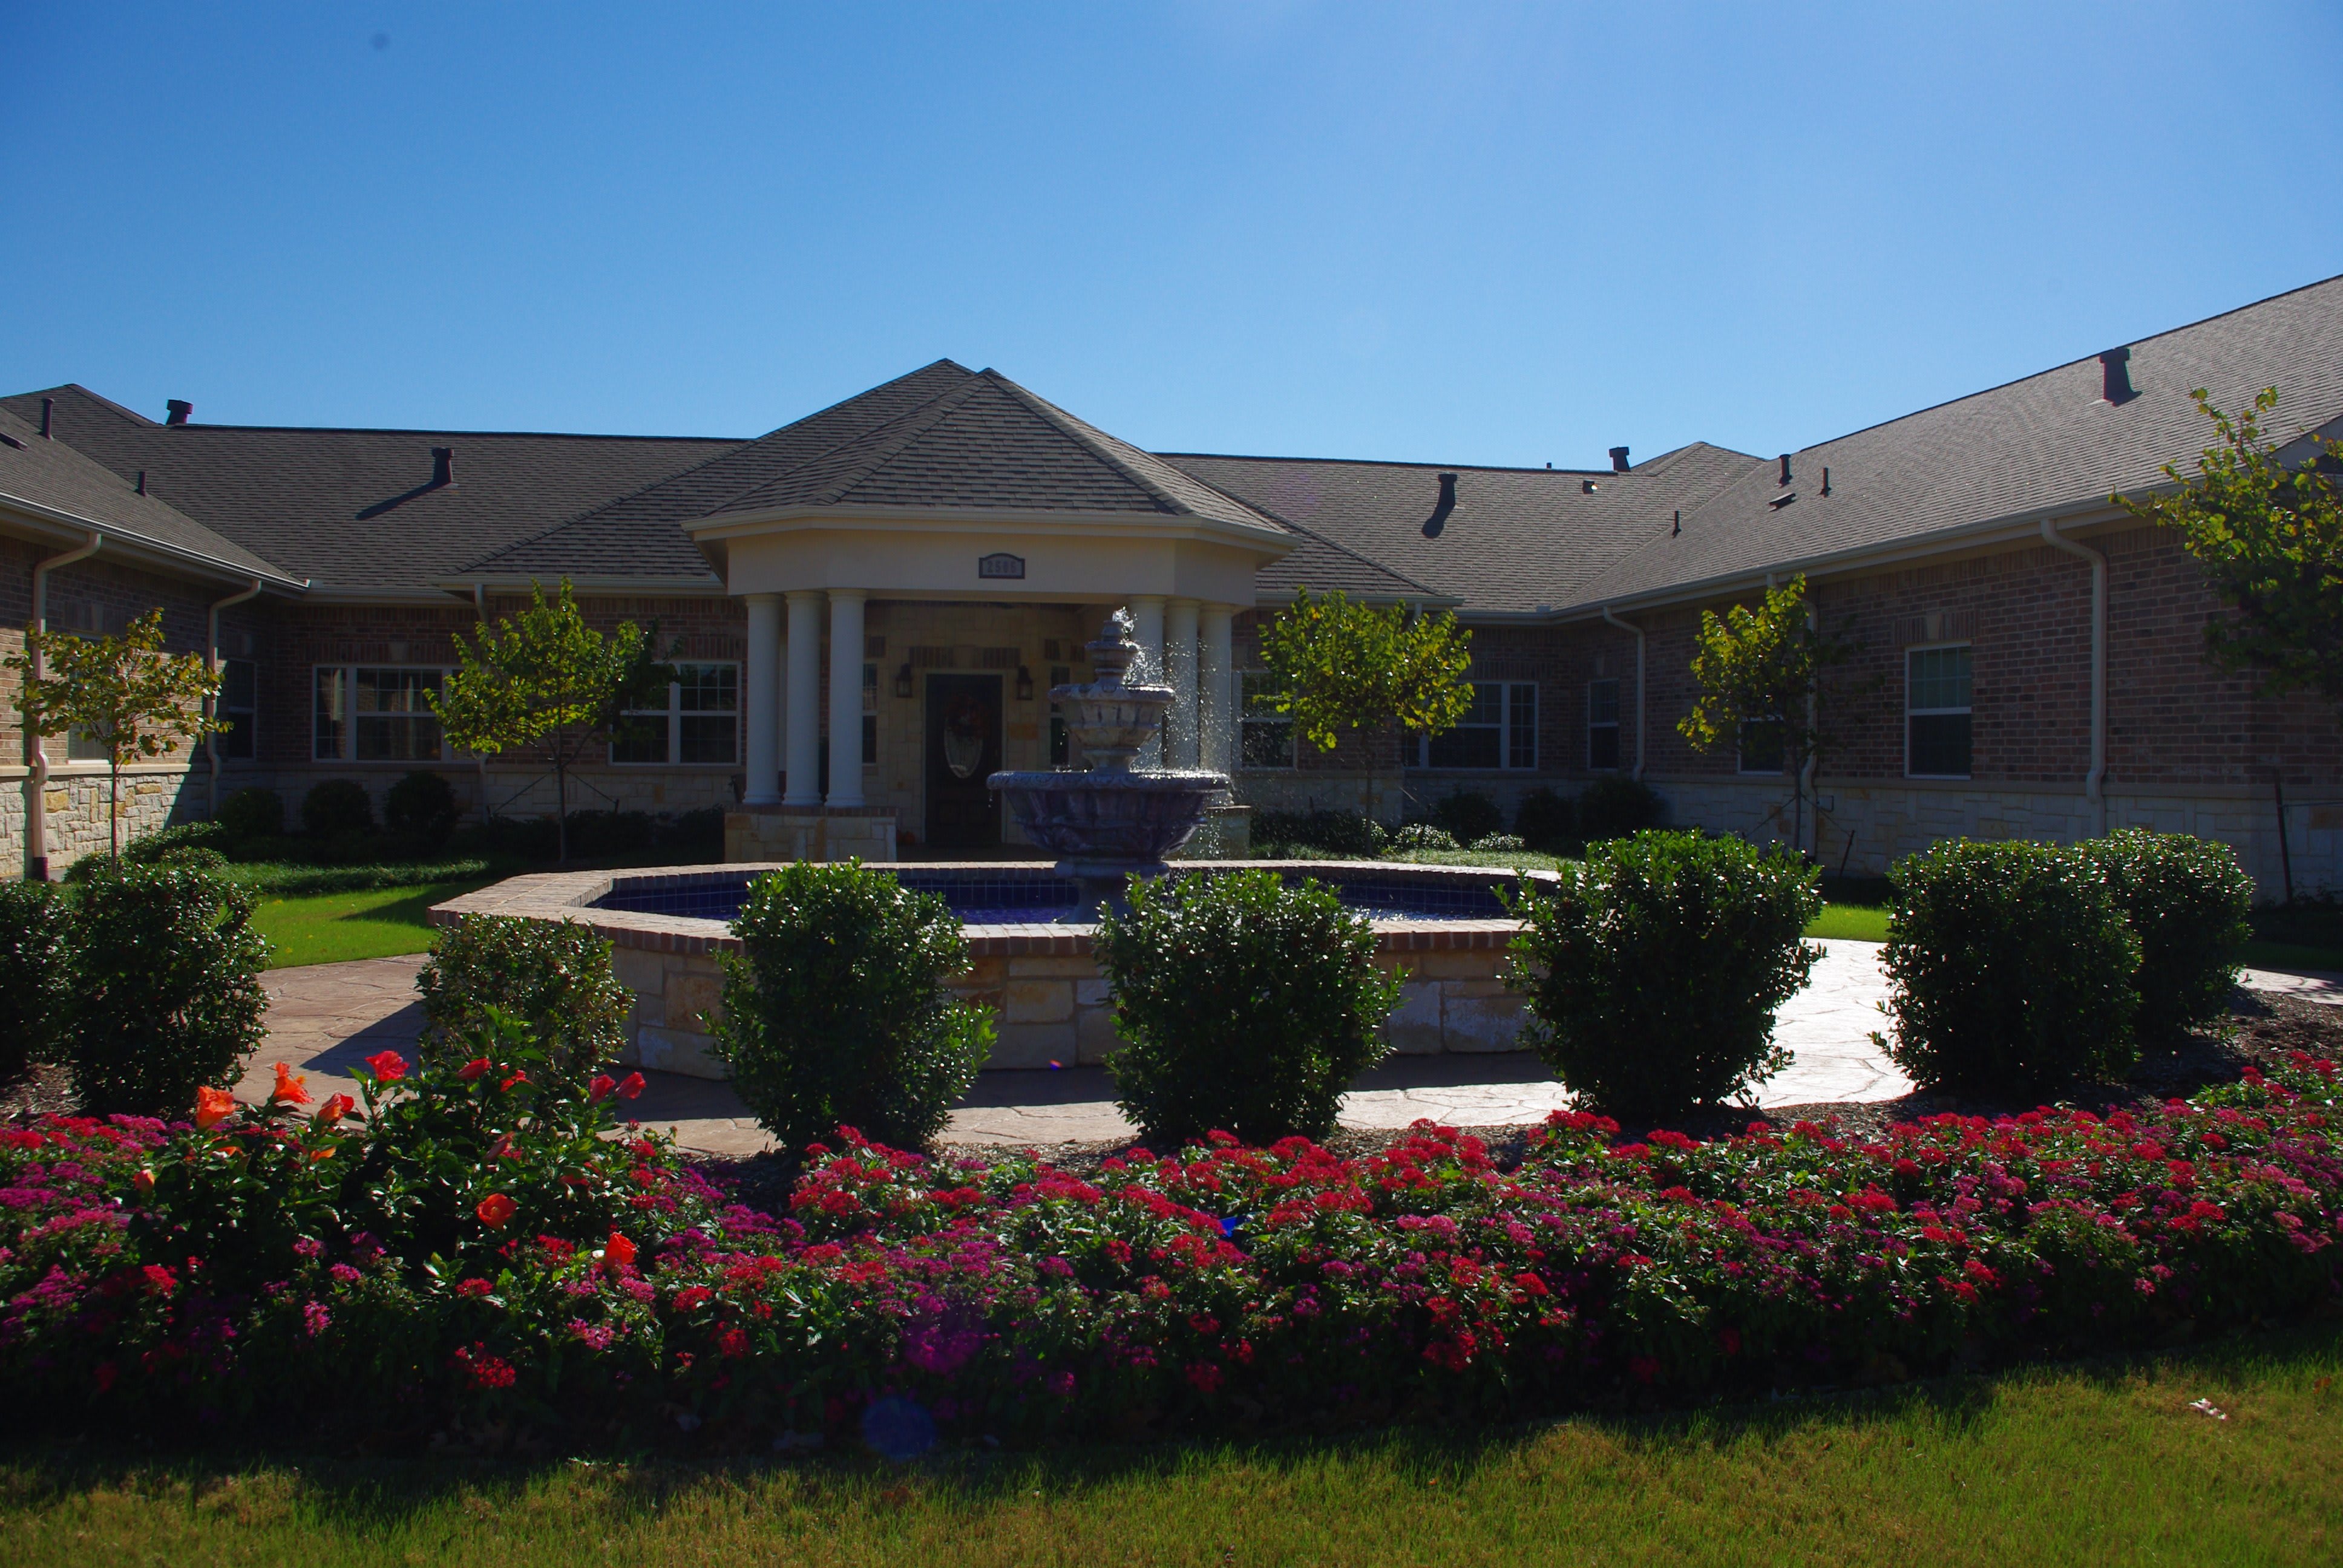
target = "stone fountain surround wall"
x: 1050, y: 1003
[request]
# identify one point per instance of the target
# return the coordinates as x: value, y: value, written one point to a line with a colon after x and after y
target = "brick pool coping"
x: 1039, y: 978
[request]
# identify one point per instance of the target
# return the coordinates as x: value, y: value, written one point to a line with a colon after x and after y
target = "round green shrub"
x: 165, y: 989
x: 1616, y: 806
x: 337, y: 806
x: 1546, y: 821
x: 1422, y: 836
x: 421, y: 805
x: 2011, y: 969
x: 554, y: 976
x: 33, y: 981
x: 1244, y: 1005
x: 1351, y: 833
x: 835, y: 1009
x: 1468, y: 817
x: 1653, y: 968
x: 2188, y: 900
x: 1498, y: 843
x: 253, y: 813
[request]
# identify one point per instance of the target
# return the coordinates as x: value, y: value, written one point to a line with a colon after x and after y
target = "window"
x: 1265, y: 736
x: 870, y: 716
x: 1602, y: 726
x: 699, y: 723
x: 1762, y: 751
x: 1937, y: 712
x: 239, y: 703
x: 1499, y: 729
x: 376, y: 714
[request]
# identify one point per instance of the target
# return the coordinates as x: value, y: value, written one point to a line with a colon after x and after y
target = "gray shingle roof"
x: 52, y: 475
x: 1519, y: 540
x: 2046, y: 442
x: 295, y: 496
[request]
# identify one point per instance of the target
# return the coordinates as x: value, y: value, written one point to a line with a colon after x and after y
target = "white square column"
x: 846, y: 697
x: 804, y: 760
x: 1179, y: 731
x: 762, y: 692
x: 1147, y: 631
x: 1216, y: 684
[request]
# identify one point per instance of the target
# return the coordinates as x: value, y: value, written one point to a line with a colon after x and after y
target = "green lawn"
x: 2105, y: 1463
x: 329, y: 928
x: 1863, y: 922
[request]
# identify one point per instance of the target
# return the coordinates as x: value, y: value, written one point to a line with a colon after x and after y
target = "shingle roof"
x: 51, y: 475
x: 1518, y: 540
x: 2044, y: 443
x: 295, y: 496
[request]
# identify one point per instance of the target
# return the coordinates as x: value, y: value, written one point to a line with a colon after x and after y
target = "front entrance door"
x: 963, y: 750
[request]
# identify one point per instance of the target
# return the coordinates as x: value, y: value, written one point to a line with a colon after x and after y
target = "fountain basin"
x: 1127, y: 821
x: 1442, y: 928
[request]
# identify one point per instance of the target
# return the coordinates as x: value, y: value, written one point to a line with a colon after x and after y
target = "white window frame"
x: 346, y: 676
x: 1267, y: 719
x: 673, y: 713
x: 1513, y: 726
x: 1618, y: 731
x: 1966, y: 711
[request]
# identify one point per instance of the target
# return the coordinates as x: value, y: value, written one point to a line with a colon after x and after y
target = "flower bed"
x: 483, y: 1254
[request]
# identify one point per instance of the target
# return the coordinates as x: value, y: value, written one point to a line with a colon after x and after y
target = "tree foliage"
x: 545, y: 676
x: 2270, y: 539
x: 1764, y: 667
x: 1343, y: 665
x: 124, y: 693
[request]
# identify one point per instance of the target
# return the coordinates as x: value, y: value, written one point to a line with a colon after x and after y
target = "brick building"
x: 870, y: 606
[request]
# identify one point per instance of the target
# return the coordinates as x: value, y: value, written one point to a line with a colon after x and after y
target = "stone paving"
x: 326, y: 1018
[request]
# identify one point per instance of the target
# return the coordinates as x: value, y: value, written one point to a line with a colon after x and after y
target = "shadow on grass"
x: 383, y: 1491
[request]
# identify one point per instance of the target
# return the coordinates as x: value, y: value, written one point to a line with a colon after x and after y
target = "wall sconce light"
x: 903, y: 681
x: 1024, y: 684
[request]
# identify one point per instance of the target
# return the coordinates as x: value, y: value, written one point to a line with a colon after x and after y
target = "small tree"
x: 1343, y: 666
x: 2270, y: 539
x: 125, y: 693
x: 1763, y: 668
x: 545, y: 674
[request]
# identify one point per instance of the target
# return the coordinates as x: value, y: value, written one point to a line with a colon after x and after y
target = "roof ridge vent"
x: 1618, y: 459
x: 2115, y: 377
x: 443, y: 466
x: 1445, y: 505
x: 178, y: 411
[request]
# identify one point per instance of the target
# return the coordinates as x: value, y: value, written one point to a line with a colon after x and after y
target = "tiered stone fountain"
x: 1111, y: 821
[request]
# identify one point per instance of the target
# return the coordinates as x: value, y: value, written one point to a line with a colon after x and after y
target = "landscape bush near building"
x: 552, y: 976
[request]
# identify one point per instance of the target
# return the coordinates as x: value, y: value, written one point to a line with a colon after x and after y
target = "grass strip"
x: 335, y: 928
x: 289, y: 879
x: 2106, y: 1462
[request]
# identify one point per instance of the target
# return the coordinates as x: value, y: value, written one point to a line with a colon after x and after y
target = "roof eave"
x: 128, y: 543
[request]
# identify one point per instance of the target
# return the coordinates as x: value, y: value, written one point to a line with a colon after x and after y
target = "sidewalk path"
x: 324, y: 1020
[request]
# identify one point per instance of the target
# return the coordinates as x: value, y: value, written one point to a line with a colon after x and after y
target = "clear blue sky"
x: 1470, y: 233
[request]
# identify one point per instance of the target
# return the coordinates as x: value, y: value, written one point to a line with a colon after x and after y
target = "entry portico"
x: 909, y: 607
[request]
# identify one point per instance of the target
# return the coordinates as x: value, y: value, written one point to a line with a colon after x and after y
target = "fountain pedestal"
x: 1111, y: 821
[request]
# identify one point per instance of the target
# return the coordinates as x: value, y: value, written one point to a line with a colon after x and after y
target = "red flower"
x: 692, y: 1297
x: 289, y: 1090
x: 618, y: 1251
x: 600, y: 1087
x: 517, y: 1077
x: 474, y: 1287
x: 496, y: 1209
x: 144, y: 1183
x: 1206, y: 1376
x: 631, y: 1086
x: 473, y: 1069
x: 160, y: 1279
x: 212, y: 1106
x: 335, y: 1108
x: 388, y: 1066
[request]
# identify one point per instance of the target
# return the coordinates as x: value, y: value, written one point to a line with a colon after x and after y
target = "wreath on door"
x: 968, y: 729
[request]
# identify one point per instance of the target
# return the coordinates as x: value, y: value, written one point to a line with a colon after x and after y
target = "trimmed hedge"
x: 422, y: 806
x: 2012, y: 967
x: 33, y: 984
x: 1244, y: 1004
x: 337, y: 807
x: 1617, y: 806
x: 1546, y: 821
x: 1467, y: 816
x: 1346, y: 833
x: 2188, y: 900
x: 1653, y: 968
x: 553, y: 976
x: 253, y: 813
x: 835, y: 1009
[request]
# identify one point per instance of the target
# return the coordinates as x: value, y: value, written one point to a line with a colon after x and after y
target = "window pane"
x: 1267, y: 743
x: 393, y: 719
x: 1602, y: 747
x: 1939, y: 678
x: 1761, y: 746
x: 1602, y: 702
x: 709, y: 687
x: 327, y: 743
x: 1257, y: 691
x: 238, y: 680
x: 235, y: 738
x: 1521, y: 726
x: 869, y: 731
x: 1466, y: 746
x: 397, y: 740
x: 1939, y: 746
x: 1488, y: 703
x: 708, y: 738
x: 642, y: 739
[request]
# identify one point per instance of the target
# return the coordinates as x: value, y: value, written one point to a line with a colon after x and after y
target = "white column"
x: 1217, y: 687
x: 1180, y: 732
x: 760, y: 690
x: 804, y: 762
x: 846, y: 697
x: 1147, y: 630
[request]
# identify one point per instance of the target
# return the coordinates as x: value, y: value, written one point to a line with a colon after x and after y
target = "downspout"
x: 36, y: 756
x: 2094, y: 781
x: 1624, y: 626
x: 211, y: 738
